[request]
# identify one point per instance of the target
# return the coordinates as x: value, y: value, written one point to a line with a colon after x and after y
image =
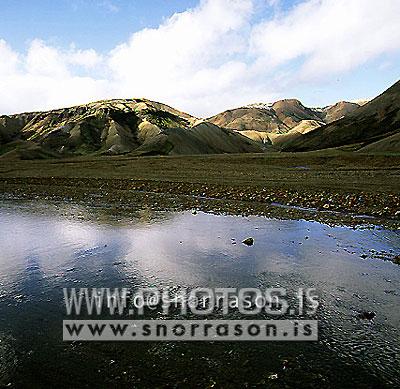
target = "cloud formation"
x: 206, y: 59
x: 332, y: 36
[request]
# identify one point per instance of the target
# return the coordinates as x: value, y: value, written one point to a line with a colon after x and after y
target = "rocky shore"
x: 122, y: 195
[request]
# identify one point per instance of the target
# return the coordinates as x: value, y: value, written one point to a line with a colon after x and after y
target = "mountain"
x: 303, y: 127
x: 278, y: 117
x: 111, y: 127
x: 202, y: 138
x: 292, y: 112
x: 371, y: 127
x: 269, y: 123
x: 250, y: 118
x: 145, y: 127
x: 337, y: 111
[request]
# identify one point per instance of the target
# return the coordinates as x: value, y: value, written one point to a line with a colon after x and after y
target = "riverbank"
x: 333, y: 184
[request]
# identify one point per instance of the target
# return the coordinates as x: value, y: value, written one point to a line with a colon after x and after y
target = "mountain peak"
x: 288, y: 102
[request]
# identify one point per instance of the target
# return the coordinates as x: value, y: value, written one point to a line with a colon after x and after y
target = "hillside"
x: 270, y: 123
x: 250, y: 118
x: 375, y: 124
x: 145, y: 127
x: 338, y: 110
x: 291, y: 112
x: 114, y: 127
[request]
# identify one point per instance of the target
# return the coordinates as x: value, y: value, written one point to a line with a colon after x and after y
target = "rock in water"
x: 366, y: 315
x: 248, y: 241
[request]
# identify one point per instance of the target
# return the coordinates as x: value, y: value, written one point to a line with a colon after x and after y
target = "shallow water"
x: 44, y: 248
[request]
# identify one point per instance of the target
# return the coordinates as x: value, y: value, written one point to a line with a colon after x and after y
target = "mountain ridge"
x: 278, y: 118
x: 140, y: 126
x: 116, y: 126
x: 372, y: 122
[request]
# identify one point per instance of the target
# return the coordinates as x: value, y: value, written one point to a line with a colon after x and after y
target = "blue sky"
x: 98, y: 24
x: 200, y: 56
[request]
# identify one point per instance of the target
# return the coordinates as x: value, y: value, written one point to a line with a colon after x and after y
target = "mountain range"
x: 276, y: 123
x: 145, y: 127
x: 374, y: 127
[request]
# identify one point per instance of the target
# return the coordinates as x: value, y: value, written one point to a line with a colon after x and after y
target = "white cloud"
x: 47, y: 78
x: 86, y: 58
x: 8, y: 59
x: 192, y: 56
x: 209, y: 58
x: 43, y: 60
x: 330, y: 36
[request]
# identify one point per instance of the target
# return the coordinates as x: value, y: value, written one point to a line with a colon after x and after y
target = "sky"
x: 200, y: 56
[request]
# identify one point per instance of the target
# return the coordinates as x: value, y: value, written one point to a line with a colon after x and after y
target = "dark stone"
x: 366, y: 315
x: 248, y: 241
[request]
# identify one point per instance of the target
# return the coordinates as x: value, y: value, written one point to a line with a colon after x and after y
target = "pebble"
x: 367, y: 315
x: 248, y: 241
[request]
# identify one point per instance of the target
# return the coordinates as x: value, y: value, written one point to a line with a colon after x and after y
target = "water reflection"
x: 44, y: 248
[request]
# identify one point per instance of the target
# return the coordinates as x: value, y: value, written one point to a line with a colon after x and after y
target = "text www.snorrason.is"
x: 190, y: 330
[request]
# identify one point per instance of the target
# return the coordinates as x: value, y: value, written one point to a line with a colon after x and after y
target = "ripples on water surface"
x: 45, y: 248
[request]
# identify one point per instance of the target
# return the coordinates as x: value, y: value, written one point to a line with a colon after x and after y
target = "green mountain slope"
x: 114, y: 127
